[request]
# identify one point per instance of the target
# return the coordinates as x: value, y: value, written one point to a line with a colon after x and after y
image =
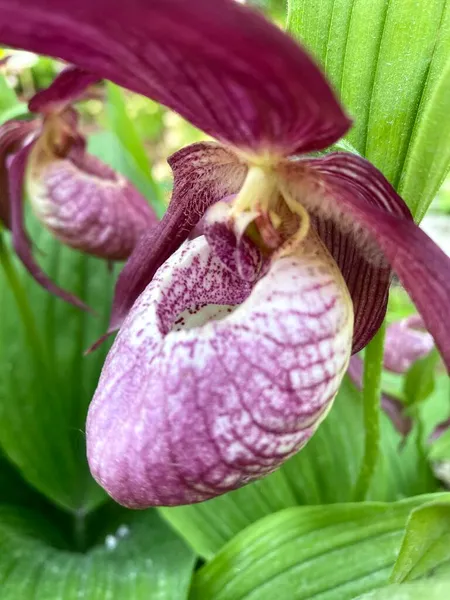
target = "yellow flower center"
x: 261, y: 193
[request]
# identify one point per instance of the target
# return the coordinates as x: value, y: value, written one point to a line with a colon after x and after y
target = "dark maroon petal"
x: 203, y: 174
x: 85, y: 204
x: 69, y: 86
x: 353, y: 193
x: 391, y: 406
x: 20, y: 239
x: 366, y: 272
x: 213, y: 382
x: 368, y: 282
x: 406, y: 341
x: 220, y: 65
x: 12, y: 135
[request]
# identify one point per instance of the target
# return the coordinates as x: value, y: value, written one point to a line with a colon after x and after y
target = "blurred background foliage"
x: 60, y: 537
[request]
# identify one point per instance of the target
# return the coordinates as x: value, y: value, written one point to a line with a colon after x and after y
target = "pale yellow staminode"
x: 261, y: 192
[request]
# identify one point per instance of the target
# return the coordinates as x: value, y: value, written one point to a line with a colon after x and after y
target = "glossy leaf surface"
x: 331, y: 552
x: 140, y: 559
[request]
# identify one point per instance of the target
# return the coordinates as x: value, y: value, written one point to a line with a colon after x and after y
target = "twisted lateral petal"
x: 66, y: 88
x: 21, y: 242
x: 406, y: 342
x: 12, y: 135
x: 203, y: 173
x: 87, y: 205
x: 357, y: 196
x: 195, y: 400
x: 220, y: 65
x: 362, y: 263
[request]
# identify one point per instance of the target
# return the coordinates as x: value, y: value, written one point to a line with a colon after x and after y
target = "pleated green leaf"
x: 388, y: 62
x: 45, y: 381
x: 431, y: 590
x: 141, y: 559
x: 440, y: 449
x: 329, y: 552
x: 426, y: 543
x: 323, y: 472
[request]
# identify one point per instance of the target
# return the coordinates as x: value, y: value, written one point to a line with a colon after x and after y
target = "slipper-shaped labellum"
x: 195, y: 400
x: 80, y: 200
x: 216, y: 380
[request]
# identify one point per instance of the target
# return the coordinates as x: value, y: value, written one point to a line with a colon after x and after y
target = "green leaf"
x: 138, y: 560
x: 371, y: 396
x: 325, y: 471
x: 419, y: 382
x: 123, y: 127
x: 332, y: 552
x: 440, y: 449
x: 45, y: 381
x: 388, y: 62
x: 17, y: 111
x: 425, y: 545
x: 8, y: 98
x: 431, y: 590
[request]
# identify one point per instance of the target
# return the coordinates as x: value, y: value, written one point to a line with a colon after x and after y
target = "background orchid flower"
x: 82, y: 201
x: 406, y: 342
x: 195, y: 400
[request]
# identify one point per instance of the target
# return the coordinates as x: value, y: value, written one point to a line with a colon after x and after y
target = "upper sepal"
x: 219, y: 64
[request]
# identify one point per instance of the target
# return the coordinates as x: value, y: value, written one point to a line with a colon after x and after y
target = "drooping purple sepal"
x: 12, y: 136
x: 21, y: 241
x: 358, y: 198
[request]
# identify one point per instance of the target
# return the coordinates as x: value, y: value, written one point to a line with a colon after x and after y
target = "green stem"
x: 21, y: 299
x: 373, y: 366
x: 79, y: 530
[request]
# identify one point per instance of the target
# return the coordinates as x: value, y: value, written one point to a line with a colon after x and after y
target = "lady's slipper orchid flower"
x: 234, y: 350
x: 80, y: 200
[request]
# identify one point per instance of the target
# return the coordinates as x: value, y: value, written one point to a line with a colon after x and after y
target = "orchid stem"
x: 373, y: 366
x: 19, y: 293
